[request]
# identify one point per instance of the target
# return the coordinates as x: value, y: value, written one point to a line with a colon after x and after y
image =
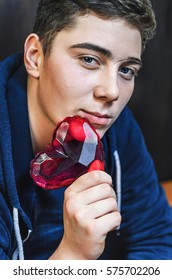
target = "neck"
x: 40, y: 127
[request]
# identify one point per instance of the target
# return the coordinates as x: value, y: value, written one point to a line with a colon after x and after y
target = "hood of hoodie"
x: 7, y: 68
x: 13, y: 100
x: 12, y: 69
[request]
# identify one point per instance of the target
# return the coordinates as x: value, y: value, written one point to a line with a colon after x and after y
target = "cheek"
x: 127, y: 88
x: 69, y: 81
x: 68, y: 84
x: 125, y: 94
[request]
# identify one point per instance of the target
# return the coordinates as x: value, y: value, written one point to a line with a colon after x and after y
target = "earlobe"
x: 33, y: 55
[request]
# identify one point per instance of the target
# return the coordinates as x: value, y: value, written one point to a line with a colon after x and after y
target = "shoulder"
x: 9, y: 65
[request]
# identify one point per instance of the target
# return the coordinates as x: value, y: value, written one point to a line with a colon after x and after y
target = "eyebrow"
x: 133, y: 60
x: 93, y: 47
x: 105, y: 52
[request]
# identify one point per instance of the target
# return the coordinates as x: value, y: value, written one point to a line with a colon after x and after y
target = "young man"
x: 82, y: 60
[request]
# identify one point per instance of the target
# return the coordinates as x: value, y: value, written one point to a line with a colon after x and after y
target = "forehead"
x: 114, y: 34
x: 95, y: 23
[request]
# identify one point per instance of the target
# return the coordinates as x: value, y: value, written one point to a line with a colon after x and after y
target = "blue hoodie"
x: 31, y: 219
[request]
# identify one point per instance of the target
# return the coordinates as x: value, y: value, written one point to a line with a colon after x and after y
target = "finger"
x: 89, y: 180
x: 83, y: 214
x: 100, y: 208
x: 108, y: 222
x: 96, y: 193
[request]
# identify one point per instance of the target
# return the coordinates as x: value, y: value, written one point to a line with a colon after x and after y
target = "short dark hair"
x: 55, y: 15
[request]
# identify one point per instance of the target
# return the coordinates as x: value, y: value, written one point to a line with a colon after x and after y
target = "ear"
x: 33, y: 55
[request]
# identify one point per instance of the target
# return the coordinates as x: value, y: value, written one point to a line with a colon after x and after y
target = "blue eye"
x: 90, y: 62
x: 88, y: 59
x: 128, y: 73
x: 125, y: 70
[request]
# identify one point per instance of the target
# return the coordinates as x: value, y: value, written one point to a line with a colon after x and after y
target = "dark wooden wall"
x: 152, y: 100
x: 16, y: 22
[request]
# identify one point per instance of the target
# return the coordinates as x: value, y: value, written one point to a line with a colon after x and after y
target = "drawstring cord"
x: 118, y: 184
x: 19, y: 252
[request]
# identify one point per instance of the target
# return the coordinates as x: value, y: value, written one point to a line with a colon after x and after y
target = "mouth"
x: 96, y: 118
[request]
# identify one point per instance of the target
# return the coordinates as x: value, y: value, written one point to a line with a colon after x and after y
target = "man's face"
x: 90, y: 72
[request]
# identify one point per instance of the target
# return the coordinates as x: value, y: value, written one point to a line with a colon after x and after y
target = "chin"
x: 100, y: 132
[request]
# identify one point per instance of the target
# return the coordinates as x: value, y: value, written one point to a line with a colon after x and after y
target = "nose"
x: 107, y: 88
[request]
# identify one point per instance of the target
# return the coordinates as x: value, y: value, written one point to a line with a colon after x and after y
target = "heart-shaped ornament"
x: 75, y: 149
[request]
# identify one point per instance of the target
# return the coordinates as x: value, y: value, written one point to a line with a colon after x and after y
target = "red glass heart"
x: 75, y: 149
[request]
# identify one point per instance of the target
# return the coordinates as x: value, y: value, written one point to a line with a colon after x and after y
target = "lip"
x: 96, y: 118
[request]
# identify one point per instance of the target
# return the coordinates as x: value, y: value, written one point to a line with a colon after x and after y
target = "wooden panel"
x: 168, y: 189
x: 151, y: 103
x: 16, y: 22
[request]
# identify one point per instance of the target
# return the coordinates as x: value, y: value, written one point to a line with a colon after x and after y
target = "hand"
x: 90, y: 212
